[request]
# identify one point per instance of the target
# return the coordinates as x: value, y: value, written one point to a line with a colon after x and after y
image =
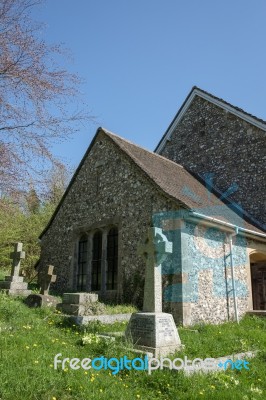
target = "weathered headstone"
x: 77, y: 304
x: 16, y: 257
x: 46, y: 278
x: 152, y: 330
x: 43, y: 299
x: 13, y: 284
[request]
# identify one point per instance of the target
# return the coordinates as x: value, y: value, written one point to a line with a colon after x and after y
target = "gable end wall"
x: 209, y: 139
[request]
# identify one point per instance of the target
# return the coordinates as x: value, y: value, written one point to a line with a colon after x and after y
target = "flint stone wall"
x: 209, y: 139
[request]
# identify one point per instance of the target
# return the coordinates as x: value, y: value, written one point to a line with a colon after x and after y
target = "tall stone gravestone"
x: 13, y: 284
x: 46, y: 277
x: 152, y: 330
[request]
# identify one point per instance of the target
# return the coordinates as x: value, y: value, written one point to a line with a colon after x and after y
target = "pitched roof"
x: 169, y: 177
x: 195, y: 91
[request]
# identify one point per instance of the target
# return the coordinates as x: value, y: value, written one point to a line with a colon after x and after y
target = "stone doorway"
x: 258, y: 280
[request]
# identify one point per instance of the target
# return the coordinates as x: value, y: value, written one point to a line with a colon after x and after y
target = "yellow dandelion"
x: 27, y: 347
x: 86, y: 373
x: 34, y: 345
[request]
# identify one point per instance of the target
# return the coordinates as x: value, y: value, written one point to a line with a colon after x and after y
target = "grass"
x: 30, y: 338
x: 120, y: 309
x: 3, y: 273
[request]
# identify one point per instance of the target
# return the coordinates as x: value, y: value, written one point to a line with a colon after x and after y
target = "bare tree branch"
x: 36, y: 97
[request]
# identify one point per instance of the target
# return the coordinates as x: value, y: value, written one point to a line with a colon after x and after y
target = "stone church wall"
x: 210, y: 140
x: 197, y: 275
x: 108, y: 190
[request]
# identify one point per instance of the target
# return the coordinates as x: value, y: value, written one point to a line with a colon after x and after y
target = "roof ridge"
x: 109, y: 133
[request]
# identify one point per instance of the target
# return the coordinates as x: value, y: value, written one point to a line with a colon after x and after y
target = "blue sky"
x: 140, y: 59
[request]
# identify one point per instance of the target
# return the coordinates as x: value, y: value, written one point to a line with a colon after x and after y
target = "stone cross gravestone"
x: 13, y: 284
x: 46, y: 278
x: 16, y: 257
x: 152, y: 330
x: 155, y: 250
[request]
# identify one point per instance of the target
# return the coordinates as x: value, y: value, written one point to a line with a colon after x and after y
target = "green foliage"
x: 22, y: 225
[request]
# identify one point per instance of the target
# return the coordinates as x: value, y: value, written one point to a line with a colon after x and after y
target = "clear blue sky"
x: 140, y: 59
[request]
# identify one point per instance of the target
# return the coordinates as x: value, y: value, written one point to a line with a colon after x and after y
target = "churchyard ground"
x: 30, y: 339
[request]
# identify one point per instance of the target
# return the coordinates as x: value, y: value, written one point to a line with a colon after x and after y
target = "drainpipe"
x: 231, y: 235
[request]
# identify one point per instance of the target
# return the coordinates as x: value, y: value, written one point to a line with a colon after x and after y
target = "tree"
x: 57, y: 181
x: 24, y: 226
x: 35, y: 98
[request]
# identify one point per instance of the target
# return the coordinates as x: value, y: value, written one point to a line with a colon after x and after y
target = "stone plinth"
x: 41, y: 300
x: 77, y: 303
x: 154, y: 332
x: 15, y: 286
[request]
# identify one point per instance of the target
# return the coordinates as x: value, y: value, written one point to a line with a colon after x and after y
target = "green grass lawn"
x: 30, y: 338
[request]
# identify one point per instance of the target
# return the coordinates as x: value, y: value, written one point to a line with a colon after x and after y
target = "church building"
x: 200, y: 186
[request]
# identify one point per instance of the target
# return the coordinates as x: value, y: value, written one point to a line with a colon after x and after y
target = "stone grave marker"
x: 46, y: 277
x: 152, y: 330
x: 77, y: 304
x: 14, y: 284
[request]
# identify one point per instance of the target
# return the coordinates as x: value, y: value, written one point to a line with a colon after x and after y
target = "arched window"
x: 96, y: 261
x: 82, y: 263
x: 112, y: 259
